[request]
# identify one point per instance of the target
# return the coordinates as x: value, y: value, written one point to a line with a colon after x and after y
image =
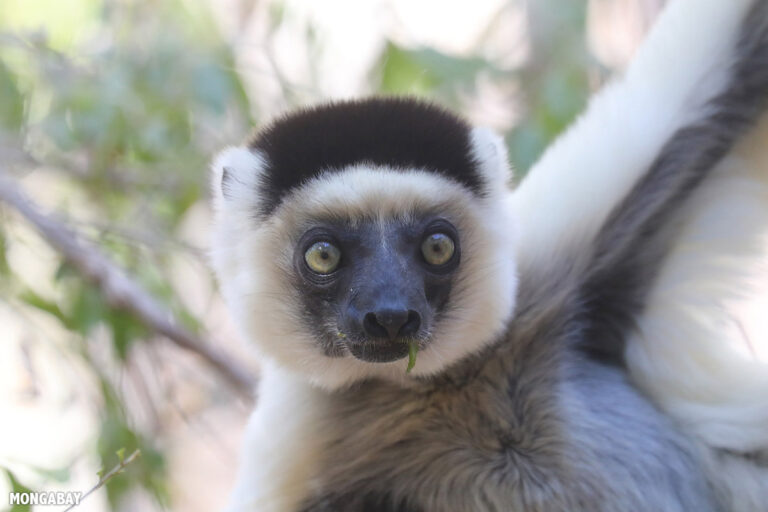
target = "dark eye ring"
x: 438, y: 248
x: 322, y: 257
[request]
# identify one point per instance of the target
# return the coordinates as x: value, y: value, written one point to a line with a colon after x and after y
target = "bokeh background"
x: 112, y: 335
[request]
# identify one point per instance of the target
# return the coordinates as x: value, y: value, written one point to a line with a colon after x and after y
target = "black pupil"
x: 324, y: 255
x: 436, y: 247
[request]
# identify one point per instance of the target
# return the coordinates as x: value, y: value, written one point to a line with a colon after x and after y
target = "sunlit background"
x: 109, y: 113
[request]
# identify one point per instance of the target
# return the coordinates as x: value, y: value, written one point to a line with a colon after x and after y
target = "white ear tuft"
x: 235, y: 173
x: 491, y: 154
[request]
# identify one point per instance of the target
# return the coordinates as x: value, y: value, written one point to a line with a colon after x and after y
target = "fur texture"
x: 530, y: 412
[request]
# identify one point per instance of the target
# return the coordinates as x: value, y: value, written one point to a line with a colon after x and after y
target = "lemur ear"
x: 491, y: 155
x: 235, y: 173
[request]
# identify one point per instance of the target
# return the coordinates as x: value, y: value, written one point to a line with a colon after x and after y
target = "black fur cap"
x: 401, y: 133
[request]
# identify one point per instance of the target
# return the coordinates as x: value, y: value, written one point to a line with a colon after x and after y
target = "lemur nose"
x: 391, y: 323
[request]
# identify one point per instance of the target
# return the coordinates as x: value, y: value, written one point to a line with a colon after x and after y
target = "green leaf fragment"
x: 413, y: 349
x: 16, y: 486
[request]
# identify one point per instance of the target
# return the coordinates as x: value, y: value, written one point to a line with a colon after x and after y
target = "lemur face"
x: 366, y: 250
x: 370, y: 288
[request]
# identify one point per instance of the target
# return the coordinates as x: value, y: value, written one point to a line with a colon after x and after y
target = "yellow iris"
x: 437, y: 248
x: 322, y: 257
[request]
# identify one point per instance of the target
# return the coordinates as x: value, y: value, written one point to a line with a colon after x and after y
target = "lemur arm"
x: 628, y: 251
x: 567, y: 196
x: 627, y: 216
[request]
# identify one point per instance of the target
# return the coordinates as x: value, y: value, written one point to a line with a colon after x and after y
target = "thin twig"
x: 104, y: 479
x: 119, y: 290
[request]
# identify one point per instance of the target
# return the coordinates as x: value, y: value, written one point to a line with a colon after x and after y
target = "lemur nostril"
x: 411, y: 325
x: 391, y: 323
x: 372, y: 327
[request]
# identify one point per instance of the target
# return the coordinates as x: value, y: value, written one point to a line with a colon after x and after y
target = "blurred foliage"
x: 552, y: 85
x: 17, y: 486
x: 124, y: 118
x: 429, y: 73
x: 556, y: 80
x: 121, y: 104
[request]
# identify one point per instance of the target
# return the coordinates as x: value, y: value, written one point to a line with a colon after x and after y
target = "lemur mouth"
x: 379, y: 350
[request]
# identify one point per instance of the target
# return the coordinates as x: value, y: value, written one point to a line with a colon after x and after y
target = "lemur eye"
x: 437, y: 248
x: 322, y: 257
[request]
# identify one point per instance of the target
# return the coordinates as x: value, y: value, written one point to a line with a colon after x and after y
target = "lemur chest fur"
x: 497, y: 427
x: 386, y: 437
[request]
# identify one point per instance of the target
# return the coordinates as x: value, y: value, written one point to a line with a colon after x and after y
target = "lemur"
x: 435, y: 340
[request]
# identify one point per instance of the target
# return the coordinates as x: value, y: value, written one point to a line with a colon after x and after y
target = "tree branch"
x: 119, y: 290
x: 107, y: 477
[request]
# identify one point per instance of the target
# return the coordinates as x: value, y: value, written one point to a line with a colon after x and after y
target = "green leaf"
x: 32, y: 298
x: 423, y: 70
x: 12, y: 100
x: 17, y: 486
x: 402, y: 73
x: 413, y: 349
x: 88, y: 309
x: 148, y: 471
x: 125, y: 330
